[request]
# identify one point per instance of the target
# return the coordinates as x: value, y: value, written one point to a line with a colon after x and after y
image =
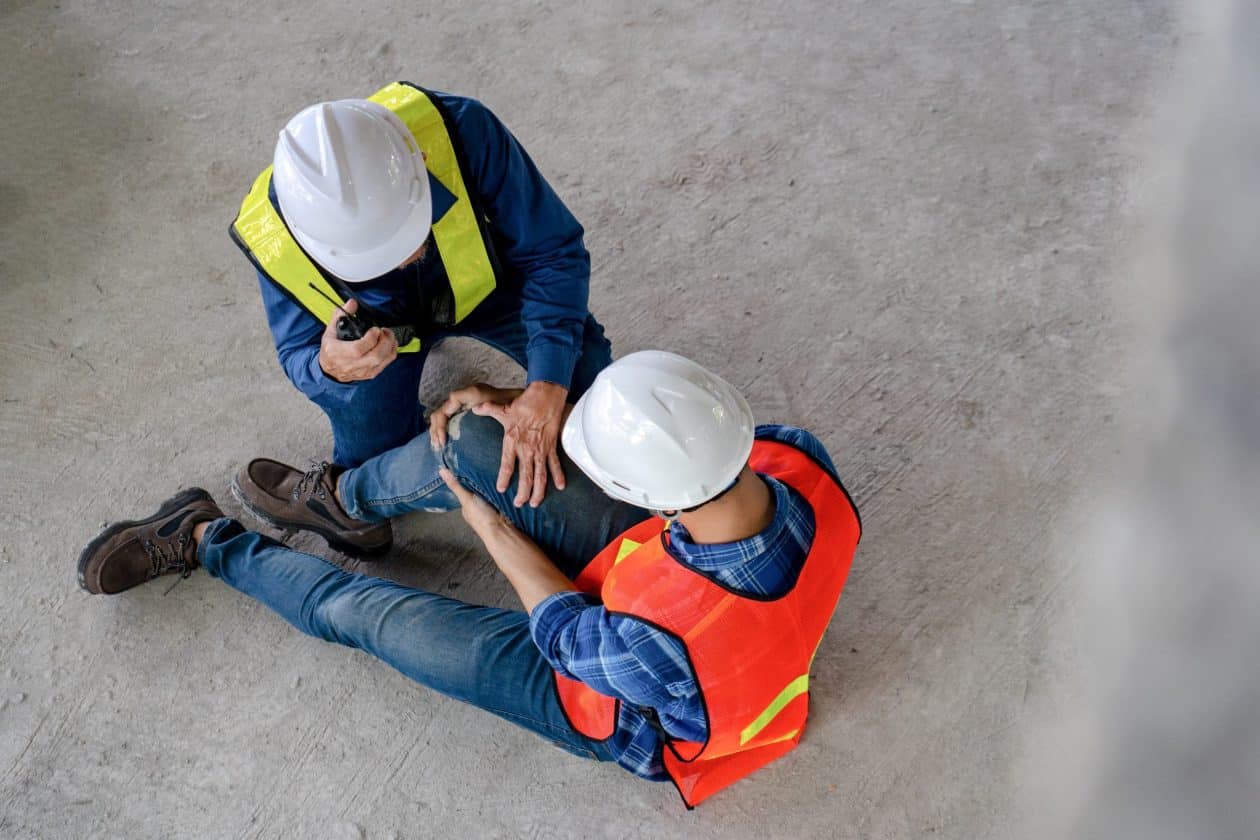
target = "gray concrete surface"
x: 889, y: 222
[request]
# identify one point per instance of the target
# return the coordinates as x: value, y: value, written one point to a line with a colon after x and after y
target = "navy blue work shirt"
x: 546, y: 269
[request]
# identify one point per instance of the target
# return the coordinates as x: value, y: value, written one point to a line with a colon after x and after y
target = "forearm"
x: 296, y: 334
x: 554, y: 310
x: 531, y: 573
x: 539, y: 240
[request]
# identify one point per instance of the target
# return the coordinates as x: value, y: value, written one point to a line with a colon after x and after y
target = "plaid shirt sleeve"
x: 624, y: 658
x: 618, y: 656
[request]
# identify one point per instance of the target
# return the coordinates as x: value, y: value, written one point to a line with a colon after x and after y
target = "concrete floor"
x: 889, y: 222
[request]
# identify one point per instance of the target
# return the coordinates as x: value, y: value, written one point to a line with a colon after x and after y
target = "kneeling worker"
x: 677, y: 644
x: 413, y: 216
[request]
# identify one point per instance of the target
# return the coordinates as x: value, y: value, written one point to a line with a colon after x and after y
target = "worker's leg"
x: 505, y: 331
x: 570, y: 525
x: 376, y: 415
x: 481, y: 655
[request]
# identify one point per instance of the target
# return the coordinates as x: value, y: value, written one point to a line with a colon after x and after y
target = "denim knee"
x: 474, y: 447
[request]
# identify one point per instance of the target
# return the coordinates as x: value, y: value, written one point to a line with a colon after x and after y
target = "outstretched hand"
x: 477, y: 512
x: 462, y: 400
x: 531, y: 435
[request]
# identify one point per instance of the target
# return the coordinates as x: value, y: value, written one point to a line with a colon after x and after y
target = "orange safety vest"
x: 751, y: 656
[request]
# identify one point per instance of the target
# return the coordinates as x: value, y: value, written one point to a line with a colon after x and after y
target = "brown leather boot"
x: 287, y: 498
x: 127, y: 554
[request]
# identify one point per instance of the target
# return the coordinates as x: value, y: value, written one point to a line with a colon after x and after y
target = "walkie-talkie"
x: 352, y: 326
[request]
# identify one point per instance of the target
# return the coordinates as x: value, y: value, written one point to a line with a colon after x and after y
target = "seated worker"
x: 677, y: 644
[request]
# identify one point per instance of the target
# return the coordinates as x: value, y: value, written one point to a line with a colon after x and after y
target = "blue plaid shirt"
x: 623, y: 657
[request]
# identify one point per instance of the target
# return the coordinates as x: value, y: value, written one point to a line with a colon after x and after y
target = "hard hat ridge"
x: 659, y: 431
x: 352, y: 187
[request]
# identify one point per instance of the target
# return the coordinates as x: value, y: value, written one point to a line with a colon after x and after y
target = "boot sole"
x: 330, y: 537
x: 179, y: 500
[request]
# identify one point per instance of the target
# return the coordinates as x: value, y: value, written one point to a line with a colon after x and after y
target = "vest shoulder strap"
x: 462, y: 235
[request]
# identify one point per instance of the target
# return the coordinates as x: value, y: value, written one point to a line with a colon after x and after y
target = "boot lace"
x: 312, y: 481
x: 168, y: 556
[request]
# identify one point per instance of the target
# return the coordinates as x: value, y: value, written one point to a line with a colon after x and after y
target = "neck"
x: 744, y: 512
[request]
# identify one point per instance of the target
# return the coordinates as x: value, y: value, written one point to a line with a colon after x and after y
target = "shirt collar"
x: 712, y: 557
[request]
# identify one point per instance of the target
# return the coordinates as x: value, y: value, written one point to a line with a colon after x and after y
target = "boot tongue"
x: 171, y: 526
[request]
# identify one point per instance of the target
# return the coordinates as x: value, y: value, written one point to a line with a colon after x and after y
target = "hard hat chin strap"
x: 670, y: 514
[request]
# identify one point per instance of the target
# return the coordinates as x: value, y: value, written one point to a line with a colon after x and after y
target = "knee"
x: 473, y: 448
x: 334, y: 618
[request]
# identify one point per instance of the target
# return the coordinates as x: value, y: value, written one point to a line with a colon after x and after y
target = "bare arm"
x: 531, y: 573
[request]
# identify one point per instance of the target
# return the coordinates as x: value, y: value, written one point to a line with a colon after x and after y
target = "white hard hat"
x: 353, y: 188
x: 659, y: 431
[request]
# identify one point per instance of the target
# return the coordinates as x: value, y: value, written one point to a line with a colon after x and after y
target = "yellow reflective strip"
x: 624, y: 550
x: 279, y: 255
x: 275, y: 249
x: 457, y: 235
x: 791, y: 691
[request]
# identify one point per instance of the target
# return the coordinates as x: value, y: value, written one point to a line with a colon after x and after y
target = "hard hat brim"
x: 573, y: 441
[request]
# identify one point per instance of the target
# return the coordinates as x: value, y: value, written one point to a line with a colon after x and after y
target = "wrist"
x: 322, y: 373
x: 319, y: 359
x: 541, y: 386
x: 498, y: 529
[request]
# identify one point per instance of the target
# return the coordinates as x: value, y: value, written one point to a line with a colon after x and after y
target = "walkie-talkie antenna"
x: 325, y: 296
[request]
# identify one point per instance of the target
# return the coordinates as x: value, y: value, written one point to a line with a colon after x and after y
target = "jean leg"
x: 571, y: 525
x: 377, y: 414
x: 480, y: 655
x: 399, y: 481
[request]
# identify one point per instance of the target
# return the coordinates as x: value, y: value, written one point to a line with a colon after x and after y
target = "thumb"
x: 350, y: 307
x: 460, y: 491
x: 492, y: 409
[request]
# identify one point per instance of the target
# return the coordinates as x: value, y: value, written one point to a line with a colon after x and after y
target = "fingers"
x: 496, y: 410
x: 458, y: 400
x: 524, y: 476
x: 348, y: 308
x: 358, y: 346
x: 386, y: 346
x: 437, y: 429
x: 540, y: 480
x: 507, y: 463
x: 438, y: 421
x: 461, y: 492
x: 556, y: 468
x: 441, y: 418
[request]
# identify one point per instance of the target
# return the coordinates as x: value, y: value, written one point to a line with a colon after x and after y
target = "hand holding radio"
x: 347, y: 358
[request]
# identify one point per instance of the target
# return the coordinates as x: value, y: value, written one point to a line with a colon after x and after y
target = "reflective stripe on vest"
x: 751, y: 657
x: 262, y: 234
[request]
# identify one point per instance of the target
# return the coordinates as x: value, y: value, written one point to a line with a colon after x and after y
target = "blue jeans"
x: 385, y: 412
x: 481, y: 655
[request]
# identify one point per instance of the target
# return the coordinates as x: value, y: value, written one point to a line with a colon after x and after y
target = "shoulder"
x: 800, y: 439
x: 468, y: 114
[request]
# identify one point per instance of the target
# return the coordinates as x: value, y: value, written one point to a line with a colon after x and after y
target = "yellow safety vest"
x: 462, y: 241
